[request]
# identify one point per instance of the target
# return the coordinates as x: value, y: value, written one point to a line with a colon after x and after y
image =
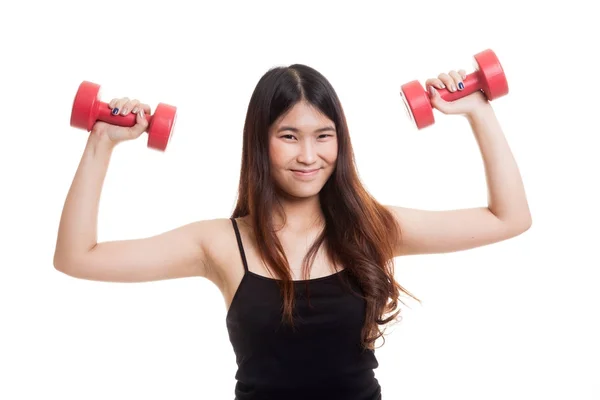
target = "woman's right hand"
x: 123, y: 106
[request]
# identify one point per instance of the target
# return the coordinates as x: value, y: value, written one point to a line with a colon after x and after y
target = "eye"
x: 288, y: 136
x: 325, y: 135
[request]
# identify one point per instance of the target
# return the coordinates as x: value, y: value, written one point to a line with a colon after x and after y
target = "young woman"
x: 305, y: 263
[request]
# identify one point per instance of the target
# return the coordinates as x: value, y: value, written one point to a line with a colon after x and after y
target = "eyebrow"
x: 296, y: 130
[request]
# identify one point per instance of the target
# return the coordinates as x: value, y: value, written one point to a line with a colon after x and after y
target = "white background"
x: 516, y: 320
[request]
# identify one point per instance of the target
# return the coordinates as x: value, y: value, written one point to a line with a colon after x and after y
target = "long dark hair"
x: 359, y: 232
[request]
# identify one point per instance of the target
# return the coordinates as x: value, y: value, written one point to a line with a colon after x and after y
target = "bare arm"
x: 173, y: 254
x: 506, y: 215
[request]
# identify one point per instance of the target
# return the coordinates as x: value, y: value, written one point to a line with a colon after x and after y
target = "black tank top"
x: 320, y: 358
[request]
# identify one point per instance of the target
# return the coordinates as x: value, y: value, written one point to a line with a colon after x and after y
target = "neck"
x: 299, y: 215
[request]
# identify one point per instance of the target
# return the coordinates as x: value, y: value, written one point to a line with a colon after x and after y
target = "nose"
x: 308, y: 152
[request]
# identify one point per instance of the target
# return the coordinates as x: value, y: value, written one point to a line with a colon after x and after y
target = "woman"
x: 305, y: 263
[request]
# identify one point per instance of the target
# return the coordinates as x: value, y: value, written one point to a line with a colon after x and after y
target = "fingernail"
x: 124, y: 110
x: 432, y: 91
x: 461, y: 86
x: 135, y: 110
x: 452, y: 88
x: 142, y: 112
x: 442, y: 86
x: 115, y: 111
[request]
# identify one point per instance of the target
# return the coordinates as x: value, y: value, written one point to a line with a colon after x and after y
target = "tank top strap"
x: 239, y: 242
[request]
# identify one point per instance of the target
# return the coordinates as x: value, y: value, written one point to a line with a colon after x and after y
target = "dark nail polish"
x: 461, y: 86
x: 115, y: 111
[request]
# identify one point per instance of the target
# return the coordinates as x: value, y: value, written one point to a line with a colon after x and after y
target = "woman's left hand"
x: 453, y: 81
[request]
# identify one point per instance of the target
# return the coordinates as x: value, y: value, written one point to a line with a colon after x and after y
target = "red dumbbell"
x: 87, y: 109
x: 488, y: 77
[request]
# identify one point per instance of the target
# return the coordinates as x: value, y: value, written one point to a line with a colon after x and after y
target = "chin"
x: 305, y: 195
x: 295, y: 192
x: 302, y: 194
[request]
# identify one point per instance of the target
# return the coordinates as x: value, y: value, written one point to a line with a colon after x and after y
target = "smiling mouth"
x: 305, y: 172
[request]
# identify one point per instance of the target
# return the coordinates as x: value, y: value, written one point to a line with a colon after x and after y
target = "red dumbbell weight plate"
x: 85, y: 101
x: 161, y: 126
x: 417, y: 104
x: 493, y: 79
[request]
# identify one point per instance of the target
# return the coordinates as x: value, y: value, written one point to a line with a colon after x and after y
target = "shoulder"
x: 218, y: 240
x: 212, y: 234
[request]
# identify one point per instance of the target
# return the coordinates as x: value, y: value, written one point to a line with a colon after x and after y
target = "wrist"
x: 100, y: 142
x: 480, y: 112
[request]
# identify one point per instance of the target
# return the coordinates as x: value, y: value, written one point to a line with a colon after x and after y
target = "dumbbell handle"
x: 105, y: 114
x: 472, y: 84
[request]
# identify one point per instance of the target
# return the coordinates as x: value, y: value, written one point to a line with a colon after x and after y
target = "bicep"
x: 445, y: 231
x: 177, y: 253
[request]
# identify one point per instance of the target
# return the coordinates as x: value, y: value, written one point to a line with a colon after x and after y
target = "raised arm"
x: 178, y: 253
x: 507, y: 213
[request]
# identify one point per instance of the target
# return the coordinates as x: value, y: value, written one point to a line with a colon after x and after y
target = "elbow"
x: 522, y: 225
x: 58, y: 261
x: 61, y: 257
x: 60, y: 264
x: 526, y: 222
x: 516, y: 226
x: 64, y: 264
x: 69, y: 262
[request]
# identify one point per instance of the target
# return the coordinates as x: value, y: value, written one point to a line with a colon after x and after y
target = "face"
x: 303, y: 150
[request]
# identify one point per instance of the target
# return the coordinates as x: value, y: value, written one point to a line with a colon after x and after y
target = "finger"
x: 146, y: 108
x: 448, y: 81
x: 435, y: 82
x: 135, y: 106
x: 112, y: 104
x: 437, y: 102
x: 129, y: 106
x: 141, y: 124
x: 462, y: 73
x: 140, y: 106
x: 457, y: 80
x: 118, y: 105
